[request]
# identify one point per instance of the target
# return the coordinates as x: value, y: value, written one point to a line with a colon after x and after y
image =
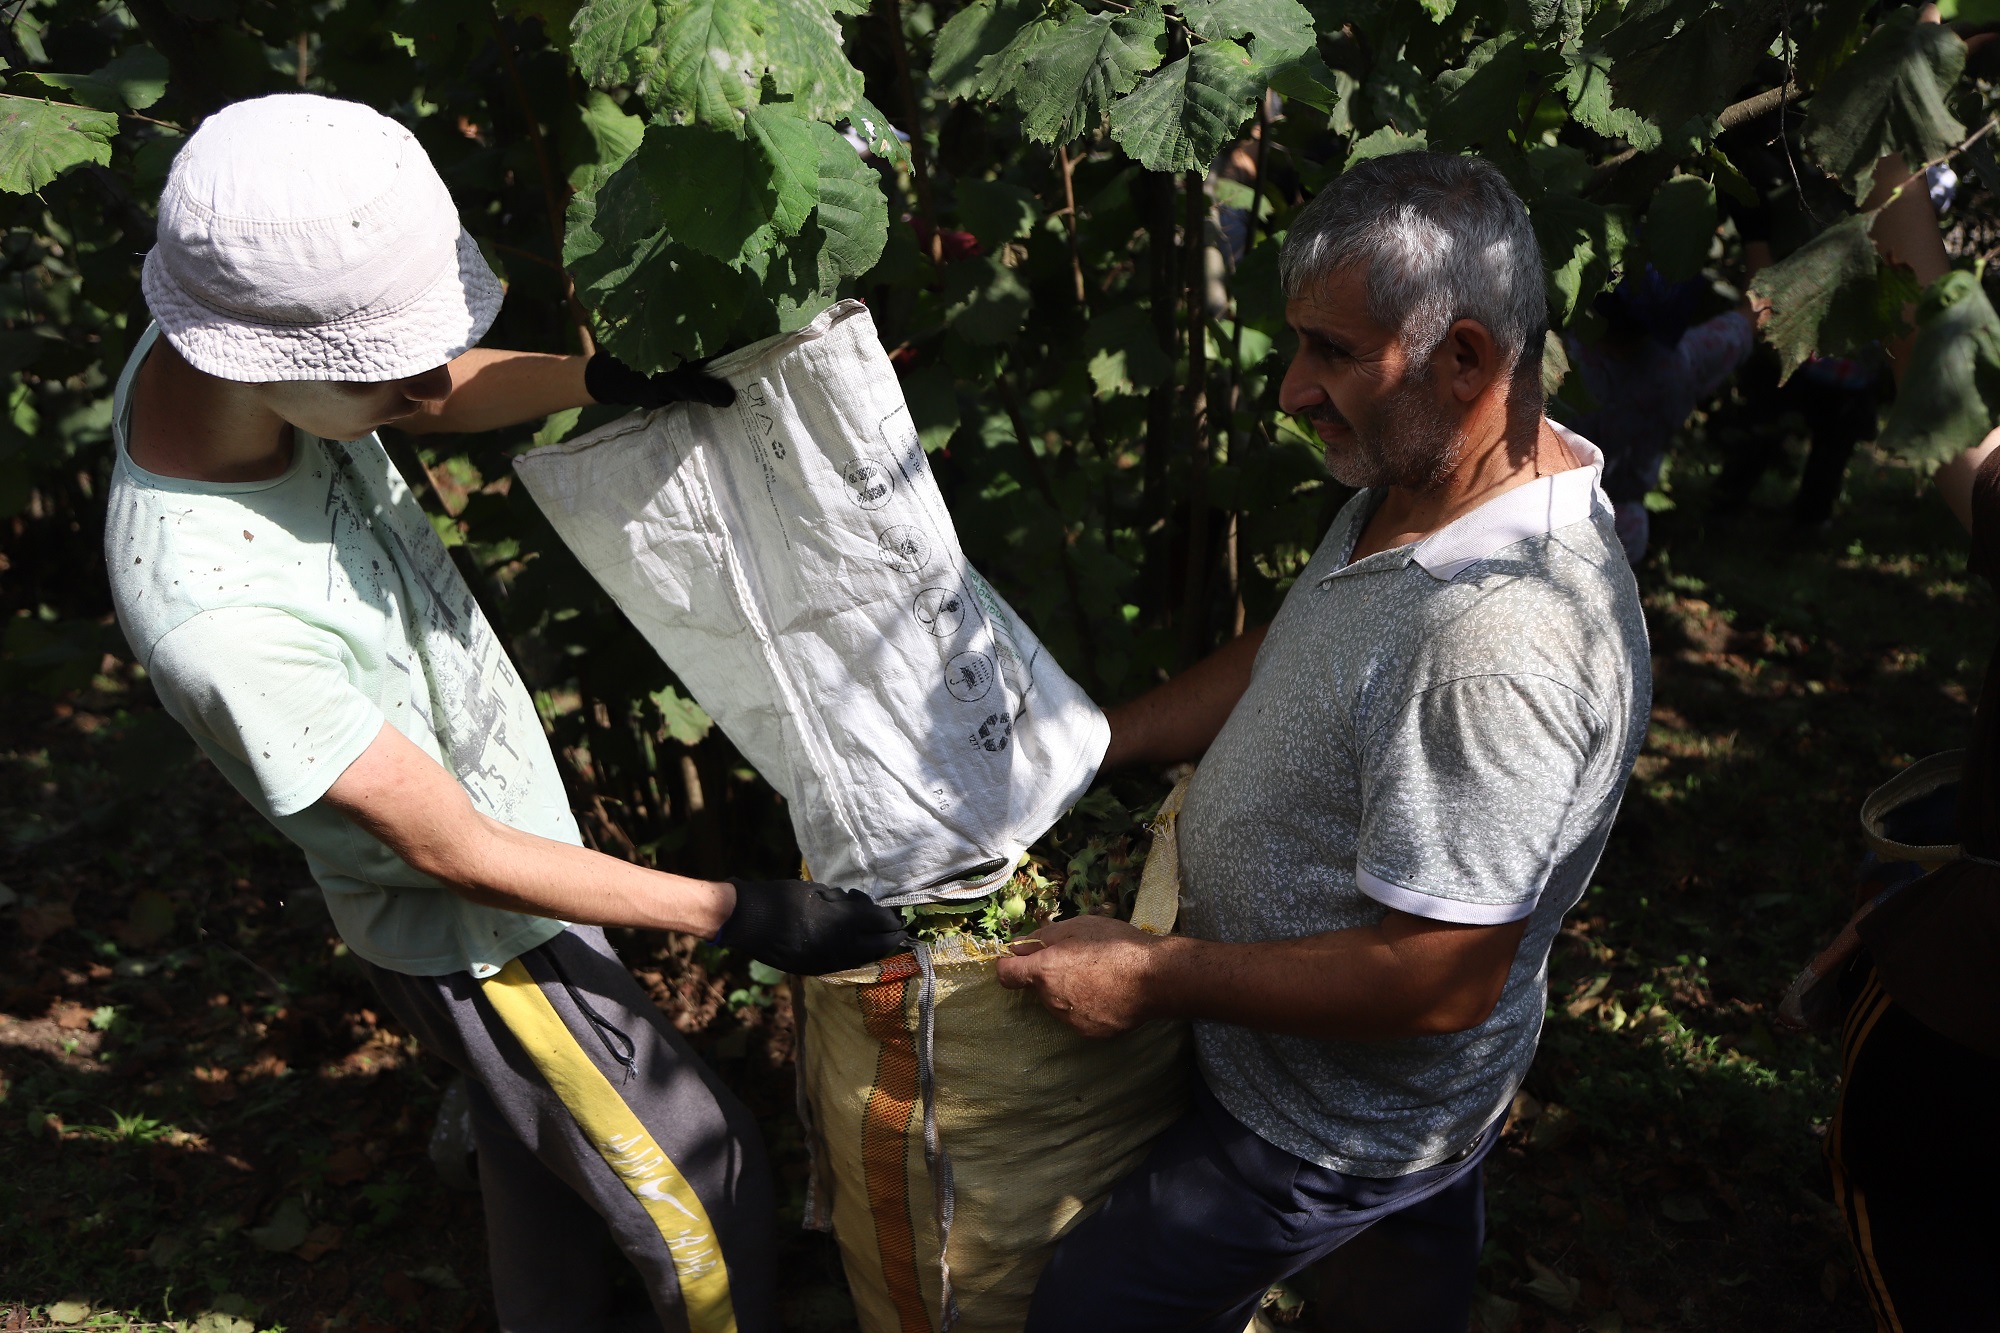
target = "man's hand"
x: 609, y: 380
x: 1092, y: 972
x: 810, y: 928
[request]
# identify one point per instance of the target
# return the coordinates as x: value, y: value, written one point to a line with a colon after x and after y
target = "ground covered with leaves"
x: 208, y: 1120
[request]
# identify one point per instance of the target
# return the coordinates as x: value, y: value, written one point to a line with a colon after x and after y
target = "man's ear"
x: 1469, y: 359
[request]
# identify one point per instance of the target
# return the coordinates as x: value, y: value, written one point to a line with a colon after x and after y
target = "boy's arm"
x: 407, y: 800
x: 492, y: 387
x: 411, y: 804
x: 1906, y: 232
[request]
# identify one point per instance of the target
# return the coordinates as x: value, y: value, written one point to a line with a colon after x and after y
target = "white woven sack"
x: 790, y: 558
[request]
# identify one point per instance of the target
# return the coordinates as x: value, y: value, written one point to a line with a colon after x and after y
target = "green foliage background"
x: 1097, y: 382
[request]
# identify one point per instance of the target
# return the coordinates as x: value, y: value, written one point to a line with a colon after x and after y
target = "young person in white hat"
x: 297, y: 613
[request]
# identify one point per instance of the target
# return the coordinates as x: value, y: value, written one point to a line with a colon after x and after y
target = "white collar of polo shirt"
x: 1540, y: 507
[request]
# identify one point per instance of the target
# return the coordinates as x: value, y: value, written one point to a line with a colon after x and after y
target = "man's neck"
x: 191, y: 425
x: 1497, y: 457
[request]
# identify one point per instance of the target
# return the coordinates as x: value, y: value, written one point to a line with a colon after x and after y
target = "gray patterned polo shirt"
x: 1445, y: 729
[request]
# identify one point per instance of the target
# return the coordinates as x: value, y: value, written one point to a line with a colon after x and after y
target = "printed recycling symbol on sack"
x: 994, y: 731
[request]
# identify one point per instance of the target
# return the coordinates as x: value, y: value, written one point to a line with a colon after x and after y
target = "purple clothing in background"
x: 1645, y: 393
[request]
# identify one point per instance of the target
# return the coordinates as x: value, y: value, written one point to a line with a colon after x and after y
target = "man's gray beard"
x: 1408, y: 441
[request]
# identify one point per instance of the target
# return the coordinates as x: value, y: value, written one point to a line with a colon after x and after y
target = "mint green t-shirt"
x: 282, y: 623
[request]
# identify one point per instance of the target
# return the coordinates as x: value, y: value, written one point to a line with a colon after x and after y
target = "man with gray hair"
x: 1406, y: 780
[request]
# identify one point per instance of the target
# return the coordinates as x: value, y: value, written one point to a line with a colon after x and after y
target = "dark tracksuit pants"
x: 597, y: 1125
x: 1215, y: 1215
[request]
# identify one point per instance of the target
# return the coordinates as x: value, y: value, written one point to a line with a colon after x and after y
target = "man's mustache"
x: 1326, y: 414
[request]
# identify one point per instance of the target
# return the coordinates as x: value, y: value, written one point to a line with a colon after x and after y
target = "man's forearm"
x: 492, y: 388
x: 1361, y: 984
x: 1177, y: 721
x: 1403, y: 977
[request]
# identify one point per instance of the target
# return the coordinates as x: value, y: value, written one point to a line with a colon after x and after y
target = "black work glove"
x: 609, y: 380
x: 810, y: 928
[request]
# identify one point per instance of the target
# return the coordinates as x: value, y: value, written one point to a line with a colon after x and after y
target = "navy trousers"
x: 1215, y: 1215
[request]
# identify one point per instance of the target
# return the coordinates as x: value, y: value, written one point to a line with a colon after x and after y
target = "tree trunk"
x: 1194, y: 600
x: 1157, y: 591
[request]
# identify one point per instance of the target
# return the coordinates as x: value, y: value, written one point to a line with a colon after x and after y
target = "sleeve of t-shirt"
x: 1716, y: 347
x: 270, y: 690
x: 1466, y: 793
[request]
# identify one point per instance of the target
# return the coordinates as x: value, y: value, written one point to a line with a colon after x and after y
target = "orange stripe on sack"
x: 885, y: 1136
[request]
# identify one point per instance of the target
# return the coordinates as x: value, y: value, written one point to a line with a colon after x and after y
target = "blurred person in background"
x: 1646, y: 376
x: 1837, y: 399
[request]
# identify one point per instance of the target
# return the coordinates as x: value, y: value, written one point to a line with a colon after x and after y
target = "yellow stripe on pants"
x: 624, y: 1143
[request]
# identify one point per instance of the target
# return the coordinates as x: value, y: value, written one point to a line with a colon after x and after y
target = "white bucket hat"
x: 303, y: 238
